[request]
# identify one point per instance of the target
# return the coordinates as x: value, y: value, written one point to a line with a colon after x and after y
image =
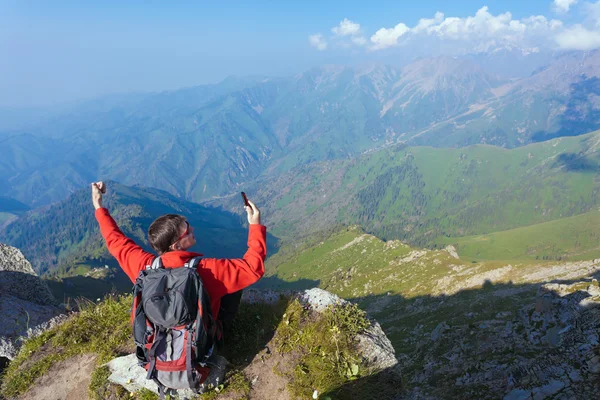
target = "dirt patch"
x: 40, y: 354
x: 66, y: 380
x: 267, y: 375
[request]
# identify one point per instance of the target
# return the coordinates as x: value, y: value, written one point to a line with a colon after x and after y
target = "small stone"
x: 574, y: 376
x: 548, y: 390
x: 439, y: 330
x: 518, y: 394
x: 594, y: 365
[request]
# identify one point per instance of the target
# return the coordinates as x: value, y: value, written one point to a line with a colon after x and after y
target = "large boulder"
x: 18, y: 279
x: 26, y: 304
x: 373, y: 345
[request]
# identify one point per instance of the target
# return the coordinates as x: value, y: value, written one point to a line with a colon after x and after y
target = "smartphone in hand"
x: 245, y: 199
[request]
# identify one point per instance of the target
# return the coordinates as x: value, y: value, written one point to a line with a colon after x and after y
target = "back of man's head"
x: 164, y: 231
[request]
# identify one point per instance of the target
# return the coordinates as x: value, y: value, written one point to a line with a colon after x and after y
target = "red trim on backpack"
x: 203, y: 371
x: 170, y: 366
x: 201, y: 312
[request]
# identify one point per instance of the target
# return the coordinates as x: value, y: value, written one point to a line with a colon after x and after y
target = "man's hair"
x: 164, y: 231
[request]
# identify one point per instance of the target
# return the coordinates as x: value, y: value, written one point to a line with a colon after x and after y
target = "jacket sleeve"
x: 131, y: 257
x: 230, y: 275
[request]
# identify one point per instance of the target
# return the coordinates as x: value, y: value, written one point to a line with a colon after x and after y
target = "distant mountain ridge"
x: 208, y: 141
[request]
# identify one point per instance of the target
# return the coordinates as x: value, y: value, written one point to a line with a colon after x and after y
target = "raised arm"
x: 230, y: 275
x: 131, y: 257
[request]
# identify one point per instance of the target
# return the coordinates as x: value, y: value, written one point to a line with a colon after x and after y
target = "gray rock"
x: 18, y: 279
x: 452, y: 251
x: 126, y: 372
x: 439, y: 331
x: 22, y: 319
x: 518, y: 394
x: 376, y: 349
x: 26, y: 304
x: 548, y: 390
x: 319, y: 299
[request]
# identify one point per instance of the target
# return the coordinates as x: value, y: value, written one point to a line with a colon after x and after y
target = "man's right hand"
x: 253, y: 213
x: 97, y: 189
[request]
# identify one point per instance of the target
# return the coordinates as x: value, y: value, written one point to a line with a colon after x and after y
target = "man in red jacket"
x: 171, y: 236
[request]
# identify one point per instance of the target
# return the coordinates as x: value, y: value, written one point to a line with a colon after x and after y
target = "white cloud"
x: 483, y: 30
x: 425, y: 23
x: 318, y: 41
x: 346, y: 28
x: 563, y: 6
x: 578, y: 38
x: 384, y: 38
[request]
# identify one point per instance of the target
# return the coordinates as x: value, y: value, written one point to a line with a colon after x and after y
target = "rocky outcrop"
x: 26, y: 304
x: 373, y: 345
x: 18, y: 279
x: 566, y: 320
x: 545, y: 349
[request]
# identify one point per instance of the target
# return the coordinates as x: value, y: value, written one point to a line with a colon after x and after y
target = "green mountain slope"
x: 572, y: 238
x: 353, y: 264
x: 422, y: 194
x: 452, y: 320
x: 65, y: 238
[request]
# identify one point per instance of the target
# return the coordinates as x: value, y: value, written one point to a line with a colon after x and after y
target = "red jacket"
x: 220, y: 276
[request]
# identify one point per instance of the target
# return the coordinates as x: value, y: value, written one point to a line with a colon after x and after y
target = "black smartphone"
x: 245, y: 199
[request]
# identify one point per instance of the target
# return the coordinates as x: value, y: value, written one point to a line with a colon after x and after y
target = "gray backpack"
x: 173, y: 327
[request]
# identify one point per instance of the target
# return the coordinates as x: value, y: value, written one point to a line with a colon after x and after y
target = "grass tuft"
x: 325, y: 344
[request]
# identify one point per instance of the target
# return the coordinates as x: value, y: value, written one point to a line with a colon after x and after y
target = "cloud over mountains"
x: 483, y: 31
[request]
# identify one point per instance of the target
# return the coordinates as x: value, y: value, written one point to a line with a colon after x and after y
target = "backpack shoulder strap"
x: 156, y: 264
x: 193, y: 263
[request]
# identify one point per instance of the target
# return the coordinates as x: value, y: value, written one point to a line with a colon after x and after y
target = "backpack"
x: 173, y: 327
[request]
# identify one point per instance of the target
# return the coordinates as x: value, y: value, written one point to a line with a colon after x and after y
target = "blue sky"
x: 57, y: 51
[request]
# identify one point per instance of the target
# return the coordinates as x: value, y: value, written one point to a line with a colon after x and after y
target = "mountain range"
x: 208, y: 141
x: 433, y: 197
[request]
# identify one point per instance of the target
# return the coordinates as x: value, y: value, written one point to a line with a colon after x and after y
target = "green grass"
x: 325, y: 346
x: 420, y: 194
x: 572, y: 238
x: 353, y: 264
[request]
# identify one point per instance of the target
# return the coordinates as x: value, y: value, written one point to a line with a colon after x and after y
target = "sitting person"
x: 171, y: 236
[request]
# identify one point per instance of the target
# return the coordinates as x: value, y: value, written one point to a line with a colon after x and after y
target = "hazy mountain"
x: 207, y: 141
x: 512, y: 62
x: 559, y: 99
